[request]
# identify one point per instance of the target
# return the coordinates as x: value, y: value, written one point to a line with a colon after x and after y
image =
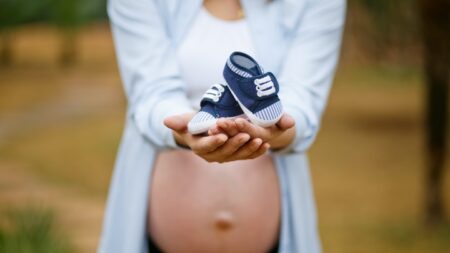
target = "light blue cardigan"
x: 298, y: 40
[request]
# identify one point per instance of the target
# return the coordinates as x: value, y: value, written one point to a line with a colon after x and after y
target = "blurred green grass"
x: 32, y: 230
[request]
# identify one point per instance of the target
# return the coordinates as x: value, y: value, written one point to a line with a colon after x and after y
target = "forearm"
x: 148, y: 66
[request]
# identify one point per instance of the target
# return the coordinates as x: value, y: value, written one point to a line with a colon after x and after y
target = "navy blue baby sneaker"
x: 255, y: 91
x: 217, y: 102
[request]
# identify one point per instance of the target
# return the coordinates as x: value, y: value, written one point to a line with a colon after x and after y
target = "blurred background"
x: 379, y: 163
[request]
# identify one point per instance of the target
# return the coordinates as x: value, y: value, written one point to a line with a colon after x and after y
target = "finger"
x: 261, y: 151
x: 286, y: 122
x: 215, y: 130
x: 207, y: 144
x: 228, y: 126
x: 253, y: 130
x: 230, y: 147
x: 246, y: 151
x: 178, y: 122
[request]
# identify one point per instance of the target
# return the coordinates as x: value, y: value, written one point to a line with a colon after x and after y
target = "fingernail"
x: 222, y: 138
x: 244, y: 138
x: 258, y: 141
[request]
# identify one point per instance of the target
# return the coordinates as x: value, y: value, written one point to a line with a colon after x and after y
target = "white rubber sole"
x: 204, y: 126
x: 253, y: 118
x: 201, y: 127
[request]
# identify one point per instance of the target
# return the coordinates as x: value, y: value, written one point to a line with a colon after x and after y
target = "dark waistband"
x: 153, y: 248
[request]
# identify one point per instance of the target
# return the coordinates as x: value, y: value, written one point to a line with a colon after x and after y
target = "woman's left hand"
x: 278, y: 136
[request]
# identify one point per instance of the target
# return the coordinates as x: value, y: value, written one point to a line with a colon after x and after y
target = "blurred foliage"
x: 68, y: 15
x: 389, y: 29
x: 32, y: 231
x: 72, y: 13
x: 65, y: 13
x: 16, y: 12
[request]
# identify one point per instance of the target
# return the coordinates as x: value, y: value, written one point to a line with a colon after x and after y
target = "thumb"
x: 286, y: 122
x: 178, y: 122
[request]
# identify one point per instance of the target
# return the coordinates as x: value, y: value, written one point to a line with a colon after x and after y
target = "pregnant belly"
x: 196, y: 206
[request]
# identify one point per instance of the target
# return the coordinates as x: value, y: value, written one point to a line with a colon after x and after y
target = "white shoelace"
x: 215, y: 92
x: 264, y: 86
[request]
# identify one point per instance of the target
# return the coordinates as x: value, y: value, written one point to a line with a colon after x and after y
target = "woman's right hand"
x: 216, y: 148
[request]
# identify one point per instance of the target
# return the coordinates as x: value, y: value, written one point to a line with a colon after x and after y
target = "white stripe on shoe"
x: 238, y: 71
x: 201, y: 116
x: 271, y: 112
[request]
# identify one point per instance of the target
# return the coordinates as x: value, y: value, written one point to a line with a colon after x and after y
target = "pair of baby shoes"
x: 249, y: 93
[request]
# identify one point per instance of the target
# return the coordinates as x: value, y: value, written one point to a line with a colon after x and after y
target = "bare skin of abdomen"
x: 198, y: 207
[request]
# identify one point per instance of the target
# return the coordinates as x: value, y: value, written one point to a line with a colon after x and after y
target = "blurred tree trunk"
x: 6, y: 48
x: 68, y: 47
x: 435, y: 34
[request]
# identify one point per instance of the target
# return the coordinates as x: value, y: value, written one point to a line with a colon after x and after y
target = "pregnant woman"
x: 242, y: 188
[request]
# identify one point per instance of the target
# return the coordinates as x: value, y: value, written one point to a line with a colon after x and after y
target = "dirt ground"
x: 60, y: 127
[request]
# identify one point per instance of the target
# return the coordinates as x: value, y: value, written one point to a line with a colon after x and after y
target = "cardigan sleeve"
x: 308, y: 68
x: 148, y: 67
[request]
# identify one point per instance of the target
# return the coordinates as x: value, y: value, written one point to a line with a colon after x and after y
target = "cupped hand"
x: 217, y: 147
x: 278, y: 135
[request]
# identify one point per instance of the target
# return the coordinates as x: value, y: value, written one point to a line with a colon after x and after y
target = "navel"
x: 224, y: 221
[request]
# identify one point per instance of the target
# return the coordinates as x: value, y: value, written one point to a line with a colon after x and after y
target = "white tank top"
x: 205, y: 48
